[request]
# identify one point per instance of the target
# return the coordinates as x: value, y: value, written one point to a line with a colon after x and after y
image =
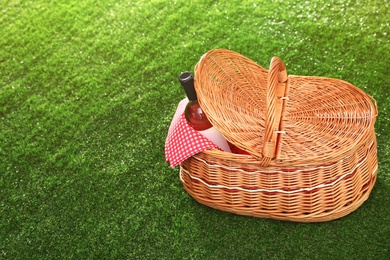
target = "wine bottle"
x: 196, y: 117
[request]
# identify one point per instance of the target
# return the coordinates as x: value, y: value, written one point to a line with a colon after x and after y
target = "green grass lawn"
x: 87, y: 92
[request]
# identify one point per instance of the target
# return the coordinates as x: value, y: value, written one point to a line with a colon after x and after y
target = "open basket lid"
x: 280, y: 119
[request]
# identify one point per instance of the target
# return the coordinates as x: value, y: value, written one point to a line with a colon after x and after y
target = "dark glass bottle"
x: 194, y: 114
x: 196, y: 117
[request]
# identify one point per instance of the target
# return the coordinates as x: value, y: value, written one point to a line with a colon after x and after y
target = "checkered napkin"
x: 183, y: 141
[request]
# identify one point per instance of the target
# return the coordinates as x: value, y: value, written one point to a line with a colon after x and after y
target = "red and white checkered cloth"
x: 183, y: 141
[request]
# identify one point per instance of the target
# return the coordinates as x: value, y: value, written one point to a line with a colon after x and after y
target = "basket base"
x: 306, y: 217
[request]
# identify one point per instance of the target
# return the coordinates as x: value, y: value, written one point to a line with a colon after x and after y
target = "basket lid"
x: 280, y: 119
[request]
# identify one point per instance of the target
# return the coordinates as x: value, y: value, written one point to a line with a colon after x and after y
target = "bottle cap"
x: 187, y: 81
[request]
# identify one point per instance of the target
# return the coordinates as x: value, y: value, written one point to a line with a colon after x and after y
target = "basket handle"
x: 276, y: 99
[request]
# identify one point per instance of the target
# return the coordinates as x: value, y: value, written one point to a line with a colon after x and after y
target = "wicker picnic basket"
x: 311, y: 141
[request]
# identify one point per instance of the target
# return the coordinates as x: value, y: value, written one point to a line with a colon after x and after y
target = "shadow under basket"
x: 311, y: 141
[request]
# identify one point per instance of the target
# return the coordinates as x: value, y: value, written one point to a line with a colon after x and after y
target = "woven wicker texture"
x: 312, y: 140
x: 280, y: 119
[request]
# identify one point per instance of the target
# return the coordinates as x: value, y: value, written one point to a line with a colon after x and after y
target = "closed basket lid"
x: 281, y: 119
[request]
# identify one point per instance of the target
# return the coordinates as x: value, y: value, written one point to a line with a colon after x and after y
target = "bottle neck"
x: 187, y: 81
